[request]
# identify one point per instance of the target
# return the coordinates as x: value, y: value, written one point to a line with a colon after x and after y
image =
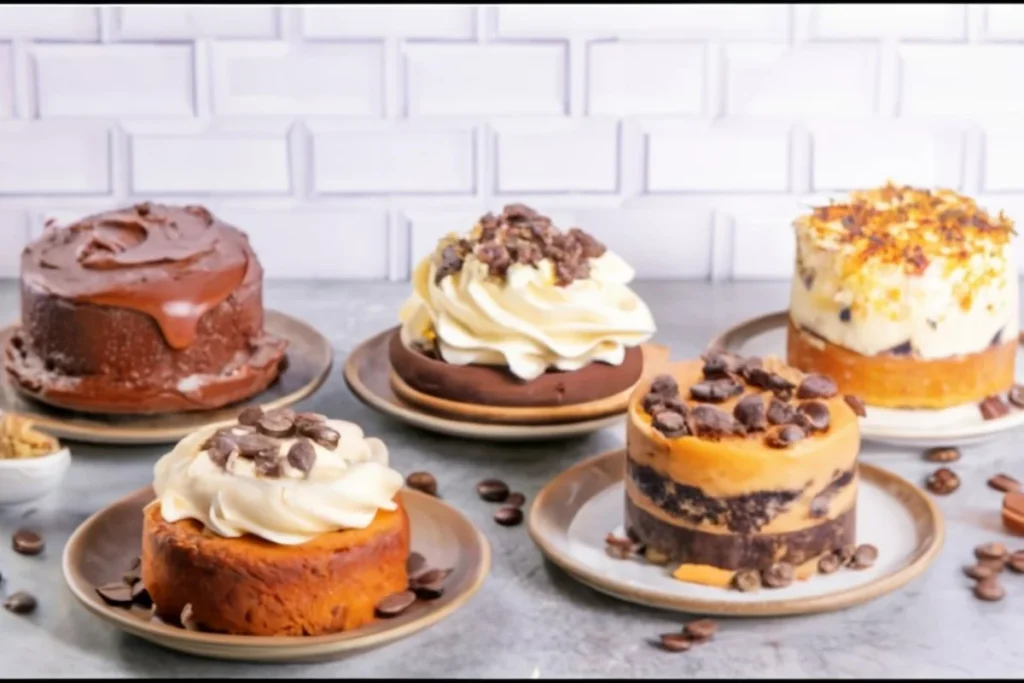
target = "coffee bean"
x: 670, y: 424
x: 395, y: 604
x: 268, y: 465
x: 817, y: 414
x: 422, y: 481
x: 846, y: 554
x: 27, y: 542
x: 20, y: 603
x: 989, y: 590
x: 747, y: 580
x: 253, y: 445
x: 416, y: 564
x: 779, y: 575
x: 943, y: 481
x: 1004, y: 483
x: 991, y: 551
x: 508, y: 515
x: 675, y: 642
x: 493, y: 490
x: 750, y: 413
x: 116, y: 594
x: 275, y: 425
x: 945, y: 454
x: 997, y: 566
x: 302, y: 456
x: 1016, y: 395
x: 856, y: 405
x: 716, y: 366
x: 784, y: 436
x: 665, y: 385
x: 715, y: 390
x: 864, y: 557
x: 780, y: 412
x: 701, y: 630
x: 993, y: 408
x: 250, y: 416
x: 221, y: 450
x: 652, y: 403
x: 709, y: 422
x: 307, y: 420
x: 516, y: 499
x: 430, y: 584
x: 432, y: 576
x: 775, y: 383
x: 816, y: 386
x: 140, y: 596
x: 1016, y: 562
x: 979, y: 571
x: 829, y: 564
x: 323, y: 435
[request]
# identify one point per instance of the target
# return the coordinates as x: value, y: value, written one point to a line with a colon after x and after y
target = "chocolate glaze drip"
x: 171, y: 263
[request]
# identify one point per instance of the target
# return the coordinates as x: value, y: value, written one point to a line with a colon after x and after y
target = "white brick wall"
x: 345, y: 139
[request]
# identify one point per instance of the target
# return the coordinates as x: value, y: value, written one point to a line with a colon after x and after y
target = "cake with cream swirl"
x: 282, y: 524
x: 521, y: 314
x: 907, y: 297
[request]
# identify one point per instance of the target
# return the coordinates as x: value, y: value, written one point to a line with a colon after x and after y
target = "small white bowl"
x: 25, y: 479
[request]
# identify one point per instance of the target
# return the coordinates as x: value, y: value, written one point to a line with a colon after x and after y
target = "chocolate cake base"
x: 739, y: 551
x: 496, y: 386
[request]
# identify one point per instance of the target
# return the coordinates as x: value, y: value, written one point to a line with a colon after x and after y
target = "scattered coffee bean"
x: 655, y: 556
x: 670, y: 423
x: 785, y: 436
x: 493, y: 490
x: 993, y: 408
x: 716, y: 366
x: 652, y: 403
x: 989, y: 589
x: 945, y: 454
x: 250, y: 416
x: 997, y: 566
x: 750, y: 412
x: 943, y: 481
x: 255, y: 445
x: 829, y: 564
x: 709, y: 422
x: 27, y: 542
x: 747, y: 580
x: 307, y: 420
x: 508, y: 515
x: 665, y: 385
x: 817, y: 413
x: 846, y: 554
x: 302, y: 456
x: 979, y: 571
x: 701, y: 630
x: 991, y: 551
x: 430, y: 584
x: 20, y: 603
x: 1004, y: 483
x: 856, y: 405
x: 323, y: 435
x: 275, y: 425
x: 675, y: 642
x: 393, y: 605
x: 1016, y: 395
x: 864, y: 557
x: 116, y: 594
x: 140, y: 596
x: 422, y: 481
x: 516, y: 499
x: 779, y: 575
x: 816, y: 386
x: 1016, y: 562
x: 268, y: 465
x: 780, y: 412
x: 416, y: 564
x: 716, y: 390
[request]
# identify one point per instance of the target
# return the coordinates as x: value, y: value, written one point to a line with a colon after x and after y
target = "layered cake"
x: 520, y: 313
x: 907, y: 297
x: 146, y: 309
x: 739, y: 465
x: 282, y: 524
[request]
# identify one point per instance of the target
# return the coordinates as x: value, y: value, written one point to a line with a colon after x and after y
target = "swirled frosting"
x: 344, y: 488
x: 171, y: 263
x: 561, y: 301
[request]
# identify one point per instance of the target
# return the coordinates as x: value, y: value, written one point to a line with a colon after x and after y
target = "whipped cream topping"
x: 344, y: 489
x: 526, y: 321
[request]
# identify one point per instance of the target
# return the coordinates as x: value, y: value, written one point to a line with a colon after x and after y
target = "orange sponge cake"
x: 737, y: 464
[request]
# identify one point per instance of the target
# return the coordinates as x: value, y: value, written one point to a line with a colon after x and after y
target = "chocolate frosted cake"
x: 142, y: 310
x: 737, y: 467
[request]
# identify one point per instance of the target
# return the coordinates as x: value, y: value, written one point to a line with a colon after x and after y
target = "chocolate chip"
x: 993, y: 408
x: 492, y: 490
x: 780, y: 412
x: 750, y: 413
x: 221, y: 450
x: 27, y: 542
x: 747, y: 580
x: 946, y: 454
x: 701, y: 630
x: 508, y: 515
x: 864, y: 556
x: 785, y: 436
x: 856, y: 405
x: 980, y: 571
x: 989, y: 590
x: 675, y: 642
x: 395, y: 604
x: 943, y: 481
x: 302, y: 456
x: 422, y: 481
x: 250, y: 416
x: 516, y: 499
x: 1016, y: 562
x: 1016, y: 395
x: 829, y: 564
x: 1004, y: 483
x: 715, y: 390
x: 709, y: 422
x: 116, y: 594
x: 670, y: 423
x: 816, y: 386
x: 665, y: 385
x: 817, y: 414
x: 991, y: 551
x: 268, y: 465
x: 20, y: 603
x: 323, y: 435
x: 779, y: 575
x: 276, y: 425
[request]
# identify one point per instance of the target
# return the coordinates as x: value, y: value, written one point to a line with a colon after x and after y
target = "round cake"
x: 739, y: 464
x: 521, y: 314
x: 282, y: 524
x: 147, y: 309
x: 907, y: 297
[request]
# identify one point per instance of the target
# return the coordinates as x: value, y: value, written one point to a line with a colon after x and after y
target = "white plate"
x: 959, y: 426
x: 572, y: 515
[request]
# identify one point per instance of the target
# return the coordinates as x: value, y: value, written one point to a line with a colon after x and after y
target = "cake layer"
x: 895, y: 381
x: 496, y: 386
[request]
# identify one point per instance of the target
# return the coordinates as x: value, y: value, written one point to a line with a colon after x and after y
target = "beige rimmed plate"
x: 308, y: 362
x: 368, y: 374
x: 104, y: 545
x: 958, y: 426
x: 571, y: 516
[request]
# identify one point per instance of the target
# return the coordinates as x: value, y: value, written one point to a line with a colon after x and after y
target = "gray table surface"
x: 529, y: 618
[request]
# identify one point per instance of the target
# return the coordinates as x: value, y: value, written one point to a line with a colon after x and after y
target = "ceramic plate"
x: 104, y: 545
x: 572, y: 515
x: 367, y: 373
x: 959, y: 426
x: 308, y: 362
